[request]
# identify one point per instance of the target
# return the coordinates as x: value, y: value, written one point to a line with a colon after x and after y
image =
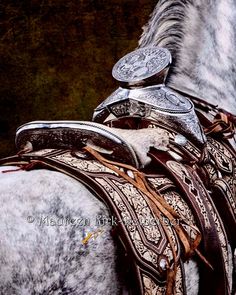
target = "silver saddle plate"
x: 74, y: 135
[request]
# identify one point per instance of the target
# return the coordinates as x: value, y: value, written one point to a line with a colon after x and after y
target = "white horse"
x: 41, y: 254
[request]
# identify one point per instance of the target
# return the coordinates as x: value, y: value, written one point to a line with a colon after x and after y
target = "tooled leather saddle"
x: 180, y: 205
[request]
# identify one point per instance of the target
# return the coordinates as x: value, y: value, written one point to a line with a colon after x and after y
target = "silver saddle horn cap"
x: 135, y: 72
x: 143, y: 67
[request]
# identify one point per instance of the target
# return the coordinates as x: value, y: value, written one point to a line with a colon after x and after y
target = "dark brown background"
x: 56, y: 57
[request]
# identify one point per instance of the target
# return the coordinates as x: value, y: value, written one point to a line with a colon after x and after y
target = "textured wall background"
x: 56, y: 57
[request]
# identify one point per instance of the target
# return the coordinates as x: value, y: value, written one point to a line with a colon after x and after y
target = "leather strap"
x: 211, y: 281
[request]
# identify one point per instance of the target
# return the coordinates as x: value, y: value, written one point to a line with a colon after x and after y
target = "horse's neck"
x: 201, y: 36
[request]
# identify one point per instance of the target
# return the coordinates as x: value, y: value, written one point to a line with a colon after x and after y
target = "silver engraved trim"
x: 161, y: 98
x: 119, y: 94
x: 160, y: 104
x: 82, y: 125
x: 141, y: 64
x: 130, y: 108
x: 61, y: 133
x: 186, y: 124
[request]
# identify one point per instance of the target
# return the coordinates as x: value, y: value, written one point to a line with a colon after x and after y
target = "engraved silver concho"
x: 142, y: 65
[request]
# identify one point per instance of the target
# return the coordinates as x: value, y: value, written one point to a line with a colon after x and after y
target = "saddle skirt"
x: 160, y: 209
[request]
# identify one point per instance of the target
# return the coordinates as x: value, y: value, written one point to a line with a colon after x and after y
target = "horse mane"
x: 201, y: 37
x: 165, y: 27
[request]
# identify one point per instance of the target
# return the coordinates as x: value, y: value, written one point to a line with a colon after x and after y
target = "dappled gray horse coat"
x: 38, y: 259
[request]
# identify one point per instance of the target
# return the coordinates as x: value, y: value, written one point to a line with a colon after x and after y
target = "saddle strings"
x: 224, y: 124
x: 159, y: 206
